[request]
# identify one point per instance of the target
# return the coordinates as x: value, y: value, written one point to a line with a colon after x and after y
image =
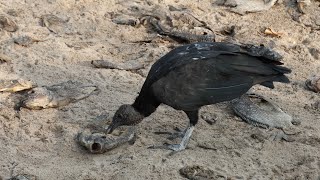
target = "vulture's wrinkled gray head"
x: 125, y: 115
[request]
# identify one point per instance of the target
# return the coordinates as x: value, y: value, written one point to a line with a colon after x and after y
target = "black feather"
x: 268, y: 84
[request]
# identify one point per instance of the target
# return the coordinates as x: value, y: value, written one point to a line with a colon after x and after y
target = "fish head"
x: 37, y: 98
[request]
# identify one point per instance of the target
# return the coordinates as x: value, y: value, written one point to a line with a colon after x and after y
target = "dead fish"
x: 57, y: 95
x: 7, y: 24
x: 100, y: 143
x: 181, y: 36
x: 15, y: 85
x: 244, y: 6
x: 162, y: 22
x: 260, y: 111
x: 314, y: 83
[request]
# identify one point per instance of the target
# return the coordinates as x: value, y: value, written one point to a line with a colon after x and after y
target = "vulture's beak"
x: 110, y: 128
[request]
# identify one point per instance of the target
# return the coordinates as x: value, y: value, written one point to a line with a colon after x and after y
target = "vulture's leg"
x: 193, y: 117
x: 173, y: 135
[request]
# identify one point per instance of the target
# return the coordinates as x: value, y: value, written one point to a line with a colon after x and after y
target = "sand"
x: 41, y: 143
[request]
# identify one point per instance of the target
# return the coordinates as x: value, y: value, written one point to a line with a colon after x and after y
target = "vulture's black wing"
x: 201, y: 51
x: 207, y: 73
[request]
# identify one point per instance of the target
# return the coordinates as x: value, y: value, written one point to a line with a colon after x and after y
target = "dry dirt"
x: 41, y: 143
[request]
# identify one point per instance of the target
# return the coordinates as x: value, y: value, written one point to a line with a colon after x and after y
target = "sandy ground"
x: 41, y: 143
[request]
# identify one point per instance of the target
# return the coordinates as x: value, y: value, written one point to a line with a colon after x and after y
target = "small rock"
x: 316, y: 105
x: 302, y: 4
x: 24, y: 41
x: 314, y: 52
x: 54, y: 23
x: 209, y: 117
x: 313, y: 83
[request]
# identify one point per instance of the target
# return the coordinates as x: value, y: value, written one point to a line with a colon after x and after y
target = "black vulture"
x: 198, y: 74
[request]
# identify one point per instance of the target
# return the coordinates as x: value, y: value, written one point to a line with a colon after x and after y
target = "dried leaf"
x: 272, y: 33
x: 7, y: 24
x: 302, y: 4
x: 4, y: 58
